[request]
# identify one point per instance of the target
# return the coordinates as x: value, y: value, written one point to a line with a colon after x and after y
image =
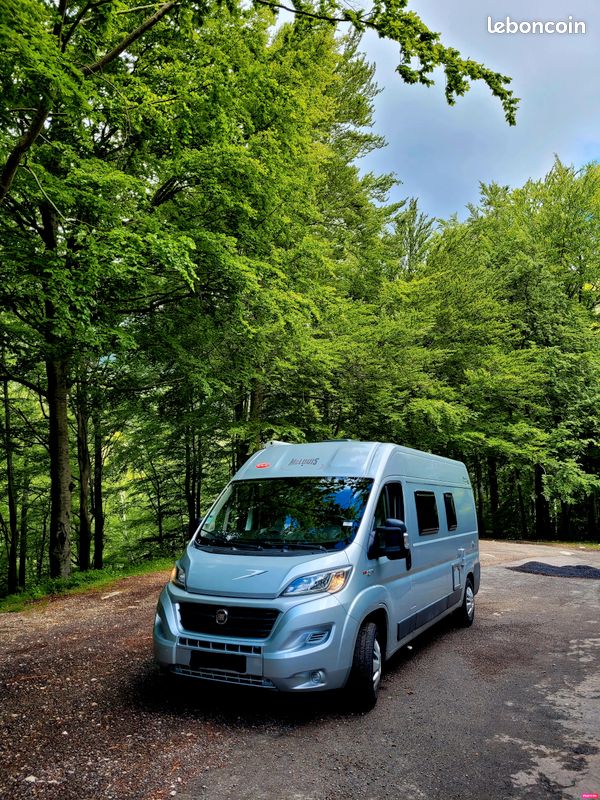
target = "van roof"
x: 350, y: 458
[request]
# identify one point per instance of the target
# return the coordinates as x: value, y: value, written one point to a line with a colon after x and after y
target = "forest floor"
x: 506, y: 709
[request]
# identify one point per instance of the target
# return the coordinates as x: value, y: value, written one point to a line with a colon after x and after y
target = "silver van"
x: 316, y: 563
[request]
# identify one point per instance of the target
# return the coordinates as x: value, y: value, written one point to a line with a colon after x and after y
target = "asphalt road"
x: 509, y: 708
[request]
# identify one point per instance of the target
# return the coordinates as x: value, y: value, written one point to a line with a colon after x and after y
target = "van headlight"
x: 331, y: 581
x: 178, y: 576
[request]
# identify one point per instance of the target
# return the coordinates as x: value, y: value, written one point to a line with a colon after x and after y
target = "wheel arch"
x: 380, y: 617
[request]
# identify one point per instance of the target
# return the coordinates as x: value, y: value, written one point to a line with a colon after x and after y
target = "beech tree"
x: 102, y: 107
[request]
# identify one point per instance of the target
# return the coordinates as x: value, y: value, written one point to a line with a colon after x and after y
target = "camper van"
x: 316, y: 563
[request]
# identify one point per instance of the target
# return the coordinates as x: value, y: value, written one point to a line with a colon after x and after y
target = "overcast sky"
x: 441, y: 153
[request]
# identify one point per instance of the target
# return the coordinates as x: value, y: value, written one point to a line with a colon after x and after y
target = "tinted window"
x: 390, y: 504
x: 283, y: 513
x: 427, y: 513
x: 450, y: 511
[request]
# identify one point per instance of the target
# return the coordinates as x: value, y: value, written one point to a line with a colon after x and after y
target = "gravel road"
x: 509, y: 708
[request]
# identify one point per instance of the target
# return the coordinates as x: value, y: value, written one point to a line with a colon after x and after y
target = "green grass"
x: 80, y: 582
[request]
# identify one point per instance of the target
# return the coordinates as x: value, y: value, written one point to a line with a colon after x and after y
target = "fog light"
x: 317, y: 676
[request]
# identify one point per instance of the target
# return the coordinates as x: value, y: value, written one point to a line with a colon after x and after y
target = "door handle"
x: 461, y: 554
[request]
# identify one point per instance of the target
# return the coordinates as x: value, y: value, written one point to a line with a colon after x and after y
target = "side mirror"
x: 393, y: 536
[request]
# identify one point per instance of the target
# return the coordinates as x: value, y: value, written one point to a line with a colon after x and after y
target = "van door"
x: 431, y: 558
x: 395, y: 575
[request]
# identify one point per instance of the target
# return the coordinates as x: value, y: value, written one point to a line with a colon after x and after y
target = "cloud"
x: 442, y: 153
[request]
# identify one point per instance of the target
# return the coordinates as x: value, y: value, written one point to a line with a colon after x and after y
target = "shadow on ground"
x: 245, y: 707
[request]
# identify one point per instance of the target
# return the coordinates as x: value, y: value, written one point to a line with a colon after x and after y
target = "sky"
x: 442, y: 153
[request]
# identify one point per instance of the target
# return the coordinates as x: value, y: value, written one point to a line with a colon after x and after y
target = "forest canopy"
x: 192, y: 263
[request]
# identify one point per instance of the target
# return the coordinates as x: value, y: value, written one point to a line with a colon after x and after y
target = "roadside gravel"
x: 507, y: 709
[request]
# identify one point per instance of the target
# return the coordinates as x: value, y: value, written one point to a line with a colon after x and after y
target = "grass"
x: 80, y: 582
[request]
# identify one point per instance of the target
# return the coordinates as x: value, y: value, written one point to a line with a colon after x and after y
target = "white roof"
x: 350, y: 458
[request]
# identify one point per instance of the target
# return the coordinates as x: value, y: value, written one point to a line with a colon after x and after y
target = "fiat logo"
x: 221, y: 616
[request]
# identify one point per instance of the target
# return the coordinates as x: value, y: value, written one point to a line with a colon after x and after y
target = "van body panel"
x: 224, y: 574
x: 232, y: 621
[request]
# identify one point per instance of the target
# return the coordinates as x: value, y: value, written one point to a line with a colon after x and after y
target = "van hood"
x: 232, y: 575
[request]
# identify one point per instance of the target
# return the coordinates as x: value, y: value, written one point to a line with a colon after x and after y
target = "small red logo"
x: 262, y: 465
x: 589, y: 796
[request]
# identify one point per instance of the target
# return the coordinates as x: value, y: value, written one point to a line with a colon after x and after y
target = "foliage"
x: 191, y: 264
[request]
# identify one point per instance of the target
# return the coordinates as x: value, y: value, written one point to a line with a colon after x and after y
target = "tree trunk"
x: 13, y: 533
x: 97, y: 496
x: 191, y: 482
x: 592, y: 519
x: 521, y: 502
x: 542, y: 508
x: 479, y: 497
x: 257, y: 398
x: 494, y: 495
x: 23, y: 532
x: 199, y: 477
x: 564, y: 520
x: 60, y: 469
x: 83, y: 459
x: 240, y: 415
x: 159, y: 514
x: 42, y: 548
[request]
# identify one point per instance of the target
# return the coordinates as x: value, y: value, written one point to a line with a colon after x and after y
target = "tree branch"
x: 39, y: 439
x: 43, y: 191
x: 58, y: 26
x: 5, y: 375
x: 75, y: 24
x: 26, y: 141
x: 313, y: 15
x: 21, y: 148
x: 146, y: 25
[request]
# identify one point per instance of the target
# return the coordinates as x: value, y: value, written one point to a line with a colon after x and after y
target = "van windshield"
x: 283, y: 514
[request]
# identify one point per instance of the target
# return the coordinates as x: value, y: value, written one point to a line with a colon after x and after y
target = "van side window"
x: 380, y: 510
x: 395, y: 501
x: 450, y: 511
x: 390, y: 504
x: 427, y: 513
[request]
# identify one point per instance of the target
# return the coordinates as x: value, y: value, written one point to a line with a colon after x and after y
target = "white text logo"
x: 509, y: 25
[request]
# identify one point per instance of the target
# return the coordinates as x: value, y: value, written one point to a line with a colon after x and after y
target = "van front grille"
x: 227, y: 647
x: 224, y: 677
x: 242, y: 623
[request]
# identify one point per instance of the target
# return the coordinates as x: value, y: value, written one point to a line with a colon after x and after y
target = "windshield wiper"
x: 282, y: 544
x: 256, y: 544
x: 213, y: 541
x: 234, y: 544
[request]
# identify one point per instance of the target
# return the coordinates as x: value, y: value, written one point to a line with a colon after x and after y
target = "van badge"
x: 250, y: 574
x: 262, y: 465
x: 221, y: 616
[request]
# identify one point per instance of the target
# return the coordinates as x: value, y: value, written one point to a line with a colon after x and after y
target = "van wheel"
x: 367, y: 664
x: 466, y: 613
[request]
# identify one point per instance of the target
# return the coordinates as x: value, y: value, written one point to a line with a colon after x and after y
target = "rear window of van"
x: 427, y: 513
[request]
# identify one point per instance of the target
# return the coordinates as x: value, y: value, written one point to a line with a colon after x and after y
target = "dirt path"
x: 503, y: 710
x: 81, y: 709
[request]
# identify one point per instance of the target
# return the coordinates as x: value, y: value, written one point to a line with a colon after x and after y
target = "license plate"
x: 225, y: 661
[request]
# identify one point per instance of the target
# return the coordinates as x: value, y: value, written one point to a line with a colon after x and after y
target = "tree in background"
x: 191, y: 264
x: 107, y: 116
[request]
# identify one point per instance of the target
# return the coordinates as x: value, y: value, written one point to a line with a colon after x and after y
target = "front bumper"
x: 309, y: 648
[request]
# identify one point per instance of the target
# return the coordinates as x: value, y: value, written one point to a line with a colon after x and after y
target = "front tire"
x: 466, y: 613
x: 367, y: 664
